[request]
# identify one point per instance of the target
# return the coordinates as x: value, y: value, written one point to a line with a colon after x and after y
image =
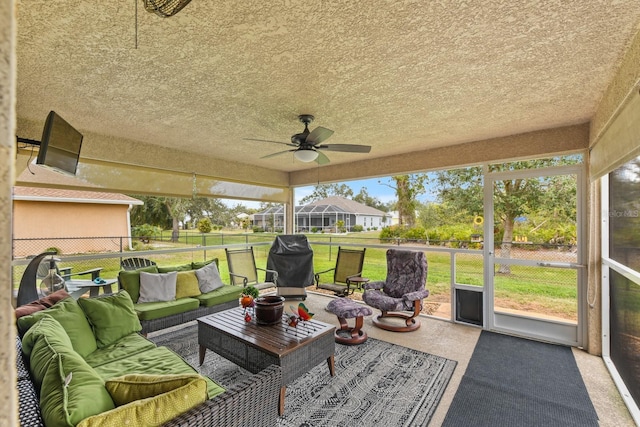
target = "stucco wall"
x: 36, y: 219
x: 8, y: 395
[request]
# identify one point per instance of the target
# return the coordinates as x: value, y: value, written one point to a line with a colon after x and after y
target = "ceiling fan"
x: 308, y: 144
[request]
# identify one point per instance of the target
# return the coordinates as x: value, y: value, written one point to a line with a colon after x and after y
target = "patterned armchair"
x: 403, y: 290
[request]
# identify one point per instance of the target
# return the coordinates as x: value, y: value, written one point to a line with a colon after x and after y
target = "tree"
x: 169, y: 212
x: 152, y: 212
x: 364, y: 198
x: 323, y: 191
x: 408, y: 188
x: 547, y: 195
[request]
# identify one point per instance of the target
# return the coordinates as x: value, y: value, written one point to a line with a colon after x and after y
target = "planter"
x: 269, y: 310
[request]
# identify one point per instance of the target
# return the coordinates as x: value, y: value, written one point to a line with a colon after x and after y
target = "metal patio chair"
x: 348, y: 266
x: 243, y: 271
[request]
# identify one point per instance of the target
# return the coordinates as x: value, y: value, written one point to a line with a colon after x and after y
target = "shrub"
x: 258, y: 230
x: 415, y: 233
x: 146, y: 231
x: 357, y: 228
x: 314, y: 229
x: 389, y: 233
x: 204, y: 225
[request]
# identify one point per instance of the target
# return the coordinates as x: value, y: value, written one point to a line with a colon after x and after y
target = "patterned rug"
x: 376, y: 383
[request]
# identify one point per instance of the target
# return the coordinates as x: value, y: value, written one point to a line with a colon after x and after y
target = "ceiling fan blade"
x: 322, y: 159
x: 347, y: 148
x: 276, y: 154
x: 268, y: 140
x: 318, y: 135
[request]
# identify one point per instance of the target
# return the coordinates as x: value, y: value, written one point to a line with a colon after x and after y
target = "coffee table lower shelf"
x: 255, y: 347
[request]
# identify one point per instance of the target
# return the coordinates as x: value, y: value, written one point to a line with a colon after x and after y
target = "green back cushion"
x: 150, y: 400
x: 171, y: 268
x: 69, y: 314
x: 37, y: 345
x: 199, y: 264
x: 111, y: 317
x: 130, y: 280
x: 70, y: 390
x: 187, y: 284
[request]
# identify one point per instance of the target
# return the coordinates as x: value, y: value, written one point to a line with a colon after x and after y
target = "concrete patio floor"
x: 457, y: 342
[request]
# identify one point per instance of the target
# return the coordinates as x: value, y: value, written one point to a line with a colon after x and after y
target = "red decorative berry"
x: 247, y: 318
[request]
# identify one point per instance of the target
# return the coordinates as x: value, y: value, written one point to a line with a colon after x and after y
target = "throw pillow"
x: 130, y: 280
x: 187, y: 284
x: 72, y: 319
x: 150, y: 411
x: 111, y: 317
x: 45, y: 302
x: 209, y: 278
x: 131, y: 387
x: 157, y: 287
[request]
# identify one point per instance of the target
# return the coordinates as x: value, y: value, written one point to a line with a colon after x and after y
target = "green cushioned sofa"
x: 84, y: 363
x: 188, y: 305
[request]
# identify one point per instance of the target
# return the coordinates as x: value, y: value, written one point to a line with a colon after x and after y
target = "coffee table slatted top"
x: 278, y: 339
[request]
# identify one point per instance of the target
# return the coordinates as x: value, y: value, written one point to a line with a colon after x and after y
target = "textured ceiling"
x: 400, y: 76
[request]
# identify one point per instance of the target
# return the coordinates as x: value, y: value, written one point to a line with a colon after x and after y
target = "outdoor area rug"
x: 517, y: 382
x: 375, y: 383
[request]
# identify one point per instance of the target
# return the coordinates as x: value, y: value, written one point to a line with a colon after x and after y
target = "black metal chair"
x: 136, y: 263
x: 349, y: 265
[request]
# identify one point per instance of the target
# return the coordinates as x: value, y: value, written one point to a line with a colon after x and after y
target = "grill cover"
x: 292, y: 257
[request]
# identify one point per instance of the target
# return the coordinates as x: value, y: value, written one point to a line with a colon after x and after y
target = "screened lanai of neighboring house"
x: 323, y: 216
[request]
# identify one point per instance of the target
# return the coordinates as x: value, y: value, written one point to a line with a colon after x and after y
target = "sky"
x: 375, y: 187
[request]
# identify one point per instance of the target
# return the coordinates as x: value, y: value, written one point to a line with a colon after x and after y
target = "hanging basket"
x: 165, y: 8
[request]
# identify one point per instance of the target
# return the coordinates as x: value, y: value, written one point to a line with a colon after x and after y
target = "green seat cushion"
x: 171, y: 268
x: 224, y: 294
x: 199, y: 264
x: 150, y: 400
x: 69, y: 314
x: 123, y: 348
x: 156, y: 361
x: 111, y: 317
x: 156, y: 310
x: 130, y: 280
x: 187, y: 284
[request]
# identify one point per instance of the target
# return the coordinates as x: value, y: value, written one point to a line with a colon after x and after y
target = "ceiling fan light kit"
x: 307, y: 144
x: 305, y: 155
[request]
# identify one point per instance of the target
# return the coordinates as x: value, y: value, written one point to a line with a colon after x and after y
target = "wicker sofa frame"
x: 252, y: 402
x: 184, y: 317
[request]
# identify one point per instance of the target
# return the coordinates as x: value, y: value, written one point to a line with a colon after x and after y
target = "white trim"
x: 607, y: 265
x: 77, y: 200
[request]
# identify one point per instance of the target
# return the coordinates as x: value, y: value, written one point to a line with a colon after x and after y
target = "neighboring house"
x: 323, y: 215
x: 45, y: 218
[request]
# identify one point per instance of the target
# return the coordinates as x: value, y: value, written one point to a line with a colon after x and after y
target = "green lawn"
x: 546, y: 290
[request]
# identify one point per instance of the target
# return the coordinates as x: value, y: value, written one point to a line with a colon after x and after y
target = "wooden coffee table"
x: 254, y: 347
